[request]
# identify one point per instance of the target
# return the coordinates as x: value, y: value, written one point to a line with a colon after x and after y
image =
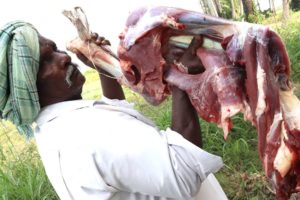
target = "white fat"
x: 261, y: 104
x: 227, y: 112
x: 283, y: 159
x: 256, y: 31
x: 247, y: 112
x: 290, y: 106
x: 243, y: 29
x: 148, y: 19
x: 181, y: 67
x: 277, y: 119
x: 273, y: 178
x: 230, y: 110
x: 156, y: 40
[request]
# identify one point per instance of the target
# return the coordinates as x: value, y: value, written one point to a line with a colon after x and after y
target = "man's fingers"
x: 94, y: 36
x: 106, y: 42
x: 190, y: 59
x: 99, y: 40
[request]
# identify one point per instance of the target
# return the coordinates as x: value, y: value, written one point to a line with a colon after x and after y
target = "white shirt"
x: 98, y: 151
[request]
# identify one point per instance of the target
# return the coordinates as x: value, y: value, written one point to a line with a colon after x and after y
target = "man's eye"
x: 60, y: 51
x: 47, y: 59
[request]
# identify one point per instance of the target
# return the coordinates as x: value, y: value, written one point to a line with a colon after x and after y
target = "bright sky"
x: 264, y: 4
x: 105, y: 17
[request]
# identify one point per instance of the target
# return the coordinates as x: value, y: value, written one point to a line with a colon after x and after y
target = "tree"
x: 272, y: 6
x: 218, y: 7
x: 241, y: 8
x: 248, y: 8
x: 231, y: 9
x: 295, y: 5
x: 233, y: 13
x: 258, y: 5
x: 209, y: 7
x: 285, y: 12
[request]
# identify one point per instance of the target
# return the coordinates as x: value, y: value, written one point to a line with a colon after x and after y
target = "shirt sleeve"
x: 149, y: 165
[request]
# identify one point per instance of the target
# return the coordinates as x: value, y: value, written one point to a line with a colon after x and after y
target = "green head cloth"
x: 19, y: 63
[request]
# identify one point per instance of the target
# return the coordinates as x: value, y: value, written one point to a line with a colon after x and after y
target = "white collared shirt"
x: 110, y: 151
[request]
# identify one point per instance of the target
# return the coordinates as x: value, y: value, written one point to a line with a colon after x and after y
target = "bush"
x: 295, y: 5
x: 291, y: 37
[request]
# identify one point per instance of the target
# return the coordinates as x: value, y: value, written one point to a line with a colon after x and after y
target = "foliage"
x: 226, y: 9
x: 22, y: 176
x: 295, y: 5
x: 258, y: 16
x: 290, y: 35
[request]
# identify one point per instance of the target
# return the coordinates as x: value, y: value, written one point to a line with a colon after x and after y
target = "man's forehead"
x: 45, y: 41
x: 46, y: 46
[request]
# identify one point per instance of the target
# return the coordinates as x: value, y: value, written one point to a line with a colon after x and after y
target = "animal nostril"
x: 137, y: 74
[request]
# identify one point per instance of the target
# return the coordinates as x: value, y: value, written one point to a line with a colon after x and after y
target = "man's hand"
x: 98, y: 40
x: 110, y: 86
x: 184, y: 116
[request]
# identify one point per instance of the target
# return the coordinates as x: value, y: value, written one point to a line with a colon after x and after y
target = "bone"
x: 98, y: 52
x: 78, y: 18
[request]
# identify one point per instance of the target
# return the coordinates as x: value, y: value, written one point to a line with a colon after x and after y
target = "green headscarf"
x: 19, y: 63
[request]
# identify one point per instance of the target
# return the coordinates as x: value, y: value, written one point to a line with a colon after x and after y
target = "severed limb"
x: 98, y: 52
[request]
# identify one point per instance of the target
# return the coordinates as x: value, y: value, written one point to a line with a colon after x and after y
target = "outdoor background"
x: 22, y: 175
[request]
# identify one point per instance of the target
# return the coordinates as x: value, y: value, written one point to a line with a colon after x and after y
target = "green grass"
x: 22, y: 176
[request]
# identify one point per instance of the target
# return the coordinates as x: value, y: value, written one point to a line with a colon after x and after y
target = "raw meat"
x: 249, y: 74
x: 232, y: 68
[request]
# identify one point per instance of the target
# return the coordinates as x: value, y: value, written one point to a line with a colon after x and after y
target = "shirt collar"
x: 52, y: 111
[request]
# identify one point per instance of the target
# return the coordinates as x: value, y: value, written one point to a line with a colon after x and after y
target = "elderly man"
x: 95, y: 149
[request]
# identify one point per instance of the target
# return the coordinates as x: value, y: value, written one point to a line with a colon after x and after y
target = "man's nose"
x: 64, y: 59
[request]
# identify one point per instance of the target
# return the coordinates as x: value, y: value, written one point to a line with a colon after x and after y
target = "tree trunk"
x: 258, y: 5
x: 241, y: 8
x: 218, y: 7
x: 285, y: 13
x: 272, y: 6
x: 208, y: 7
x: 233, y: 14
x: 248, y: 8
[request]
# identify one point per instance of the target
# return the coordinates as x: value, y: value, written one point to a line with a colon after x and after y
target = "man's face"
x: 58, y: 79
